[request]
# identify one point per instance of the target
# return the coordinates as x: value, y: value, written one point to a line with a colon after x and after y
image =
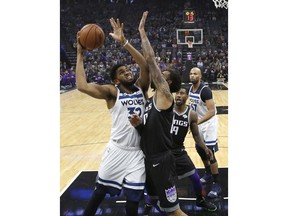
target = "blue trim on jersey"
x: 213, y: 141
x: 194, y: 96
x: 134, y: 184
x: 110, y: 182
x: 131, y: 96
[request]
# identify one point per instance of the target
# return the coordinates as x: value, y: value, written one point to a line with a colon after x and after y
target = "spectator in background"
x: 200, y: 63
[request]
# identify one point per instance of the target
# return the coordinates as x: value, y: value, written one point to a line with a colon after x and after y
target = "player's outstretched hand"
x: 80, y: 49
x: 142, y: 22
x: 118, y: 33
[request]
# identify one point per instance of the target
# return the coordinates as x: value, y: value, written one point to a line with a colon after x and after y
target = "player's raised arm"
x: 94, y: 90
x: 163, y: 97
x: 118, y: 34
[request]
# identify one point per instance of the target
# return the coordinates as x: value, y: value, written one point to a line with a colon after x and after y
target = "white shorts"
x: 122, y: 168
x: 209, y: 131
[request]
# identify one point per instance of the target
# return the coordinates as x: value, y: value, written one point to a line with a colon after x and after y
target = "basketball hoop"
x: 221, y: 3
x: 190, y: 44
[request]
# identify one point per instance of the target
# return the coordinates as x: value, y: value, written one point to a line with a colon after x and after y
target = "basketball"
x: 91, y: 36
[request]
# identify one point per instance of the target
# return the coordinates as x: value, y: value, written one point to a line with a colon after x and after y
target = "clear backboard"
x: 189, y: 37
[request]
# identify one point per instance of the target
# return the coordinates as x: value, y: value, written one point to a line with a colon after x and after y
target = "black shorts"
x: 161, y: 179
x: 184, y: 165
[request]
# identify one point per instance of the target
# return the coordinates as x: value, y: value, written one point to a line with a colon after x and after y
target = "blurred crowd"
x: 165, y: 16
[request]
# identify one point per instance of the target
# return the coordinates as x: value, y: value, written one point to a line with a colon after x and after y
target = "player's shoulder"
x: 204, y: 88
x: 111, y: 89
x: 204, y: 85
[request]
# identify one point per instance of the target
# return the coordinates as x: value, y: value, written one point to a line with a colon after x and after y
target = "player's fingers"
x: 145, y: 15
x: 118, y: 22
x: 112, y: 22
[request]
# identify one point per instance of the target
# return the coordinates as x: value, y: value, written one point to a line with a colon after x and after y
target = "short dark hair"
x: 186, y: 88
x: 175, y: 78
x: 113, y: 71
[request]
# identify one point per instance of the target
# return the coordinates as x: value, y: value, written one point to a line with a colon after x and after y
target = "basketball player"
x: 122, y: 164
x: 155, y: 130
x: 185, y: 118
x: 201, y: 101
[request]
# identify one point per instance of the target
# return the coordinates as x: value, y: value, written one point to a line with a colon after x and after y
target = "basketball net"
x: 221, y: 3
x: 190, y: 44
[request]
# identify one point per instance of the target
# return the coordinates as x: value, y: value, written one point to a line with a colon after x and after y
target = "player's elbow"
x: 81, y: 88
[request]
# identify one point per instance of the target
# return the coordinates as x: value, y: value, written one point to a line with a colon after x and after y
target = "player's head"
x: 195, y: 75
x: 181, y: 96
x: 173, y: 79
x: 120, y: 75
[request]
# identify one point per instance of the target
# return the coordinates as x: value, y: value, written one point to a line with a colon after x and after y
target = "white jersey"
x: 122, y: 164
x: 123, y: 134
x: 196, y: 102
x: 208, y: 129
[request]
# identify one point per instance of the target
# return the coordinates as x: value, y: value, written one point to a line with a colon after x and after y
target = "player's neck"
x: 180, y: 109
x: 127, y: 89
x: 196, y: 86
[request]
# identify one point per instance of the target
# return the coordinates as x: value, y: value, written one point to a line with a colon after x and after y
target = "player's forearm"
x: 81, y: 81
x: 160, y: 83
x: 150, y: 58
x: 206, y: 117
x: 144, y: 80
x: 199, y: 141
x: 138, y: 57
x: 146, y: 46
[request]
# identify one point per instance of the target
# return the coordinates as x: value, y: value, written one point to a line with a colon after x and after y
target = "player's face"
x: 181, y: 97
x: 125, y: 77
x: 195, y: 75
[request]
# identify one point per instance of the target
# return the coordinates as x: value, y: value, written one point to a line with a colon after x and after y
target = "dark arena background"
x: 183, y: 33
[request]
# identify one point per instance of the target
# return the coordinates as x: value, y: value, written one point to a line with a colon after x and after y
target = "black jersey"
x: 180, y: 128
x: 156, y: 134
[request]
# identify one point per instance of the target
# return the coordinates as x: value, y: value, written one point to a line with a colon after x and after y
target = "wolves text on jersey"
x: 132, y: 102
x: 194, y: 101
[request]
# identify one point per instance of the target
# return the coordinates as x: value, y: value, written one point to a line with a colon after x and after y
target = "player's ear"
x: 116, y: 81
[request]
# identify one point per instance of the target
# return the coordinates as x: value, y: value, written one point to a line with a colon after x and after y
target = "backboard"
x: 193, y: 35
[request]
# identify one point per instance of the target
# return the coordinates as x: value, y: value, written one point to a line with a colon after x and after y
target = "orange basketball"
x: 91, y: 36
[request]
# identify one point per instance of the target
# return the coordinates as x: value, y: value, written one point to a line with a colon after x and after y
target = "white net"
x: 221, y: 3
x: 190, y: 44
